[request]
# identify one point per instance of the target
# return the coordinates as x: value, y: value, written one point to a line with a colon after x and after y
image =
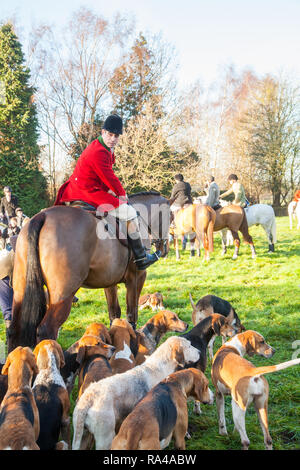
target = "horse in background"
x: 64, y: 248
x: 198, y: 220
x: 230, y: 217
x: 293, y: 207
x: 258, y: 214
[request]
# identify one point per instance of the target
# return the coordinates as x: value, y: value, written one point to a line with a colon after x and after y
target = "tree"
x: 273, y: 135
x: 74, y: 74
x: 144, y: 161
x: 19, y: 150
x: 144, y: 76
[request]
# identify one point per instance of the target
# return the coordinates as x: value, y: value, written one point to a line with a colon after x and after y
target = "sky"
x: 263, y: 35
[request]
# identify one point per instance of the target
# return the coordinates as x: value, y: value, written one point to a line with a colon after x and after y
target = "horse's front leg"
x: 176, y: 246
x: 114, y: 309
x: 134, y: 283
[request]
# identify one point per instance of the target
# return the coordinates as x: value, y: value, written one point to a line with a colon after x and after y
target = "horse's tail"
x: 210, y: 233
x: 34, y: 300
x: 244, y: 229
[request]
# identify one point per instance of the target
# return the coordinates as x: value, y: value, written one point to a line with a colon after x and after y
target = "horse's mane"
x: 145, y: 193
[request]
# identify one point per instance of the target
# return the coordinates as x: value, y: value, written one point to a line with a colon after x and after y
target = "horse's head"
x: 154, y: 217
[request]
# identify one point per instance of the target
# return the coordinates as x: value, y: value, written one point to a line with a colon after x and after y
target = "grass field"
x: 266, y: 295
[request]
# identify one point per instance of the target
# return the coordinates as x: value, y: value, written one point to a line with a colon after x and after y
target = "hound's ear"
x: 198, y: 385
x: 32, y: 362
x: 36, y: 350
x: 6, y: 366
x: 250, y: 346
x: 217, y: 326
x: 81, y: 354
x: 112, y: 332
x: 131, y: 331
x: 178, y: 356
x: 243, y: 328
x: 61, y: 356
x: 107, y: 338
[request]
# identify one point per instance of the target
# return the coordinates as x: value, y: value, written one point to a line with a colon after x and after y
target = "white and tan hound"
x: 154, y: 301
x: 233, y: 375
x: 121, y: 332
x: 19, y: 416
x: 51, y: 397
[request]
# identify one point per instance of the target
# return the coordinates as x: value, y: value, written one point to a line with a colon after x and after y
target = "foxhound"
x: 104, y: 405
x: 51, y: 396
x: 149, y: 335
x: 121, y: 332
x: 19, y: 416
x: 164, y: 413
x: 233, y: 375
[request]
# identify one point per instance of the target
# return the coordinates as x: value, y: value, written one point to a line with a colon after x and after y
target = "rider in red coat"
x: 94, y: 181
x: 297, y: 196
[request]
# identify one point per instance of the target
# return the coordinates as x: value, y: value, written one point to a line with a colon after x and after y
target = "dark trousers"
x: 6, y: 298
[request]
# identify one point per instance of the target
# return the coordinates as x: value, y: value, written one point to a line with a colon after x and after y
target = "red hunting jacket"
x: 93, y: 176
x: 297, y: 195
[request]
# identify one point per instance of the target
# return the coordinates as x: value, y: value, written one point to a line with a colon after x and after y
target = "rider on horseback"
x: 238, y: 190
x: 213, y: 193
x: 94, y: 182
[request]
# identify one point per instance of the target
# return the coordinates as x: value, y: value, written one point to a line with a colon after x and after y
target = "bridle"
x: 155, y: 239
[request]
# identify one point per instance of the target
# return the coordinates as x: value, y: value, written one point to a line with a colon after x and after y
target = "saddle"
x: 112, y: 226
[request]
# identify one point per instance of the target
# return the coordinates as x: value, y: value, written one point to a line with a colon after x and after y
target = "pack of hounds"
x: 132, y: 387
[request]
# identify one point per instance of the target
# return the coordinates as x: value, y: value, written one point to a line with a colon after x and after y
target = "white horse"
x: 292, y: 208
x: 297, y: 212
x: 258, y: 214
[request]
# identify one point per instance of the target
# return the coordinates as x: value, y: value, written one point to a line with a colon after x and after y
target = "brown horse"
x: 65, y: 248
x: 234, y: 218
x: 198, y: 219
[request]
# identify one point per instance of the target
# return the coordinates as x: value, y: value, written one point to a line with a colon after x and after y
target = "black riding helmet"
x: 114, y: 124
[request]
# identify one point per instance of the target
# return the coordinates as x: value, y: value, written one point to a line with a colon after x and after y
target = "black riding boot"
x: 142, y: 259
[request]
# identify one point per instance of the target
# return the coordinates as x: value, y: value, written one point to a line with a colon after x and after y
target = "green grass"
x: 265, y: 294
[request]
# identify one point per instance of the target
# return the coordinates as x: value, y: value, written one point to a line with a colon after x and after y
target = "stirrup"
x: 146, y: 261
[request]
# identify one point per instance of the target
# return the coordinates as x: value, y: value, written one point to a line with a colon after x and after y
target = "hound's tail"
x: 192, y: 302
x: 269, y: 369
x: 79, y: 417
x: 34, y: 301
